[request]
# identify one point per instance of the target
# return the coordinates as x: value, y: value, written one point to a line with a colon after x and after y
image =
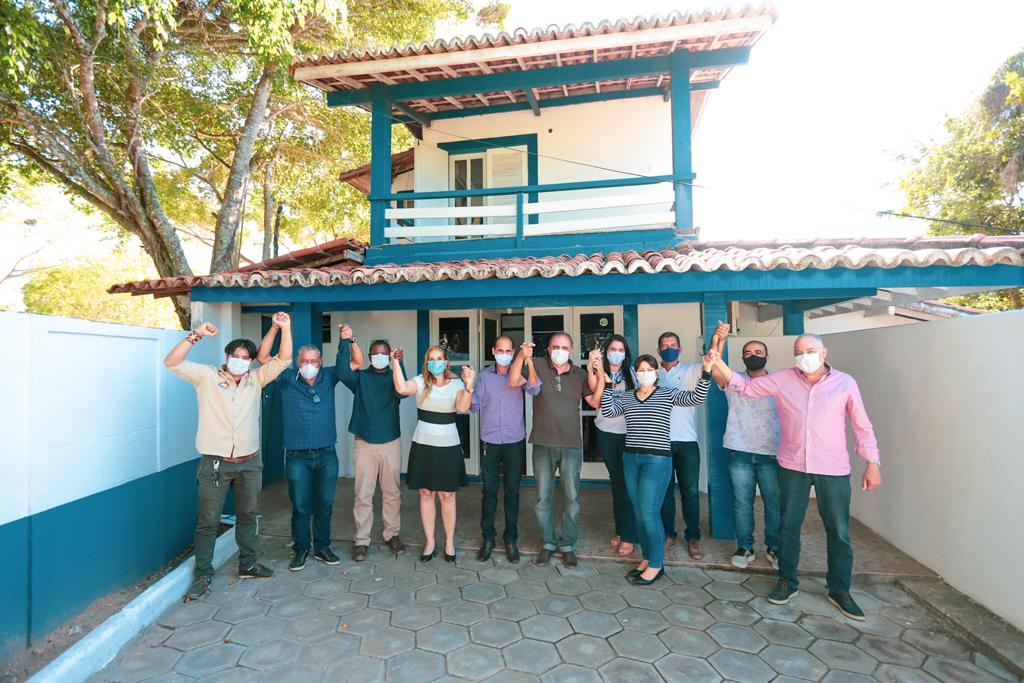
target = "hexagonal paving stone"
x: 414, y: 581
x: 828, y: 628
x: 495, y: 632
x: 508, y: 676
x: 645, y: 598
x: 676, y: 667
x: 343, y: 603
x: 270, y: 654
x: 416, y: 617
x: 783, y: 633
x: 836, y: 676
x: 724, y: 590
x: 642, y: 646
x: 630, y: 670
x: 690, y: 576
x: 795, y: 662
x: 531, y: 656
x: 392, y: 599
x: 526, y: 590
x: 739, y: 613
x: 416, y: 666
x: 438, y: 596
x: 137, y: 663
x: 209, y: 659
x: 740, y: 666
x: 243, y: 610
x: 312, y: 628
x: 760, y: 584
x: 280, y: 588
x: 777, y: 612
x: 197, y: 635
x: 809, y: 601
x: 356, y: 669
x: 585, y: 650
x: 737, y: 637
x: 688, y: 595
x: 483, y: 592
x: 443, y: 638
x: 363, y: 621
x: 372, y: 584
x: 184, y: 614
x: 597, y: 624
x: 558, y: 605
x: 295, y: 608
x: 938, y: 643
x: 891, y: 673
x: 237, y: 674
x: 570, y: 673
x: 535, y: 573
x: 728, y: 575
x: 636, y: 619
x: 891, y: 651
x: 998, y: 669
x: 256, y: 630
x: 322, y: 588
x: 609, y: 583
x: 877, y: 625
x: 843, y: 656
x: 387, y: 641
x: 946, y: 669
x: 473, y: 661
x: 545, y: 627
x: 499, y: 575
x: 331, y: 650
x: 911, y: 616
x: 512, y: 609
x: 600, y: 601
x: 687, y: 641
x: 687, y: 616
x: 457, y: 577
x: 396, y: 567
x: 464, y: 613
x: 569, y: 585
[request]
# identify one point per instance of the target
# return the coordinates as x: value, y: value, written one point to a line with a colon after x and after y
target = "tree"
x: 160, y: 113
x: 973, y: 182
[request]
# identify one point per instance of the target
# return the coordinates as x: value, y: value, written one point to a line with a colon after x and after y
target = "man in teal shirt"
x: 377, y: 454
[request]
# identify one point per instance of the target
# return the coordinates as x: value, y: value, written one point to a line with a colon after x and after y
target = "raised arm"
x: 273, y: 366
x: 464, y: 399
x: 343, y: 365
x: 700, y: 392
x: 718, y: 345
x: 594, y: 369
x: 180, y: 351
x: 355, y: 353
x: 263, y: 353
x: 515, y: 371
x: 611, y: 402
x: 284, y: 352
x: 403, y: 386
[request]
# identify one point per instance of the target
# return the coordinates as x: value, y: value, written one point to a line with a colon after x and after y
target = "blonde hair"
x: 428, y: 378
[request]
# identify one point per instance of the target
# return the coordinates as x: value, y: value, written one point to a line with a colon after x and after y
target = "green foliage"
x: 78, y: 290
x: 973, y: 182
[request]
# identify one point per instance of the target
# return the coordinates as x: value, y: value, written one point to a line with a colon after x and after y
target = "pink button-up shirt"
x: 813, y: 419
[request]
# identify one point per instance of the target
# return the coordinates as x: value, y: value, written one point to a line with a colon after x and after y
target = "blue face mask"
x: 437, y: 367
x: 669, y: 355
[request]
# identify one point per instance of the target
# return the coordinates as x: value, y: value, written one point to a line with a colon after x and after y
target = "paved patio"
x: 397, y: 619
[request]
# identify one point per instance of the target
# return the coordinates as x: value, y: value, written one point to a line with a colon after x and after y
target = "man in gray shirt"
x: 557, y: 441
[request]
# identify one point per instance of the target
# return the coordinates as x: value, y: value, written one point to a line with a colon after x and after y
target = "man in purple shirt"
x: 500, y: 404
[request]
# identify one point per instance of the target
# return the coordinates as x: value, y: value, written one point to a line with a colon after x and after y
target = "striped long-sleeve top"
x: 648, y: 421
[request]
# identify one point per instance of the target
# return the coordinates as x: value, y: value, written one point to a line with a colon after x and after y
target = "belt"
x: 435, y: 418
x: 240, y: 459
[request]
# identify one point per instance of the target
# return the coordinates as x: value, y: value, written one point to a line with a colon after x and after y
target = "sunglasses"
x: 312, y: 392
x: 558, y: 383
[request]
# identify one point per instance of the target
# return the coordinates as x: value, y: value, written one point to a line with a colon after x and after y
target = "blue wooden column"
x: 716, y: 412
x: 422, y: 338
x: 380, y: 160
x: 306, y: 327
x: 682, y: 162
x: 792, y: 318
x: 631, y: 328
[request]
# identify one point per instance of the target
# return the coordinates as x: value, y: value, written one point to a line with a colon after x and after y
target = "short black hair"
x: 236, y: 344
x: 378, y: 342
x: 755, y: 341
x: 665, y: 335
x: 646, y: 358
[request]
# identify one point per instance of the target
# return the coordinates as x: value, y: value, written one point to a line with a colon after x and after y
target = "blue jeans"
x: 750, y: 471
x: 568, y: 462
x: 686, y: 463
x: 312, y: 476
x: 832, y: 494
x: 647, y: 477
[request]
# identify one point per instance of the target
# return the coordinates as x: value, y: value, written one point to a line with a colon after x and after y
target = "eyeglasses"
x: 312, y: 392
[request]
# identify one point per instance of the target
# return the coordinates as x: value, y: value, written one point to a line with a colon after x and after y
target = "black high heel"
x: 428, y: 558
x: 449, y: 558
x: 639, y: 580
x: 632, y: 573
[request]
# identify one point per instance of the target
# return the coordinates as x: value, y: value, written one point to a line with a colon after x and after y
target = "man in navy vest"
x: 311, y: 461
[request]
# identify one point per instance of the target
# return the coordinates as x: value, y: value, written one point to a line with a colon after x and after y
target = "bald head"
x: 808, y: 343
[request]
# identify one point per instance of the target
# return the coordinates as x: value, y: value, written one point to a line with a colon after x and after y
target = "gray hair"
x: 810, y: 335
x: 309, y: 347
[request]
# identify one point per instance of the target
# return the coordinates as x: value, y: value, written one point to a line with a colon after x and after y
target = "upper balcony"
x: 534, y: 142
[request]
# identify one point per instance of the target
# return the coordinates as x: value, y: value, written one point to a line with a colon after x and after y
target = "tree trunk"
x: 268, y: 209
x: 228, y: 218
x: 277, y: 226
x: 1015, y: 298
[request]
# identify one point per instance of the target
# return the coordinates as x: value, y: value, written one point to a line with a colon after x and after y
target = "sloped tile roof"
x: 336, y: 270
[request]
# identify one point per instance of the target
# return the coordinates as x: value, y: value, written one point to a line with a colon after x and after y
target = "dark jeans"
x: 686, y: 464
x: 610, y: 446
x: 750, y: 471
x: 833, y: 496
x: 312, y: 477
x: 646, y: 477
x: 246, y: 480
x: 504, y: 461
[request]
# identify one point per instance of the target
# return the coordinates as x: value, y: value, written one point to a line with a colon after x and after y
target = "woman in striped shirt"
x: 647, y: 461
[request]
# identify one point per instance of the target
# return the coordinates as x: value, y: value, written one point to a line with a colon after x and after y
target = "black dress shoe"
x: 485, y: 550
x: 428, y: 558
x: 569, y: 559
x: 543, y: 558
x: 639, y: 580
x: 512, y: 552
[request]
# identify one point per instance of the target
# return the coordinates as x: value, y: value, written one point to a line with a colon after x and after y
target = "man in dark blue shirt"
x: 377, y: 451
x: 311, y: 460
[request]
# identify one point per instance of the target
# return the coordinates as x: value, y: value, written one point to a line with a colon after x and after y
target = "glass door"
x: 592, y: 327
x: 456, y: 333
x: 467, y: 173
x: 538, y: 326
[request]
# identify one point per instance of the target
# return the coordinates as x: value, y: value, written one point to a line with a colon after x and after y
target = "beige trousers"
x: 377, y: 462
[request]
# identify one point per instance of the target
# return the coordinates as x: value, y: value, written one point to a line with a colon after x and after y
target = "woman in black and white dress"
x: 436, y: 464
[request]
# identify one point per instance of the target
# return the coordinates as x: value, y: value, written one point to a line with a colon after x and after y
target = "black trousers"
x: 504, y: 461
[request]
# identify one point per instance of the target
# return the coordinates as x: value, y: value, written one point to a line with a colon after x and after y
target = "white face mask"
x: 647, y: 377
x: 503, y: 359
x: 559, y: 356
x: 238, y: 366
x: 309, y: 371
x: 808, y: 362
x: 379, y: 360
x: 616, y: 357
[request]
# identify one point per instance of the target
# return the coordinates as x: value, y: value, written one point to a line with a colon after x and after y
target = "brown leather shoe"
x: 395, y: 545
x: 693, y: 547
x: 359, y: 553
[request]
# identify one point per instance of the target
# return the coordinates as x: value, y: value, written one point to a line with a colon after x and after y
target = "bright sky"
x: 802, y: 142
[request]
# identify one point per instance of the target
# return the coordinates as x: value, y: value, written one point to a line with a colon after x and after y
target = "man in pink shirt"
x: 813, y: 400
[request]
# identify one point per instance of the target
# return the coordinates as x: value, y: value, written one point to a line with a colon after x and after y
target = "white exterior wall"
x: 944, y: 397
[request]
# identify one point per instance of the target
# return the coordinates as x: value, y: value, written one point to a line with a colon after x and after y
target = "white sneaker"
x: 742, y: 558
x: 773, y: 557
